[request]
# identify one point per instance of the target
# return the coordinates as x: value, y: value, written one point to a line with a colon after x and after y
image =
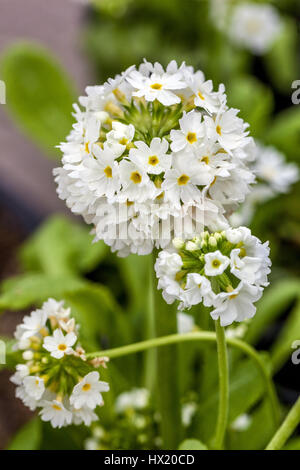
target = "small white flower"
x: 245, y: 268
x: 119, y: 137
x: 255, y: 26
x: 215, y: 263
x: 137, y: 399
x: 241, y: 423
x: 88, y: 391
x: 198, y: 289
x: 153, y: 159
x: 228, y: 129
x: 84, y: 415
x: 34, y: 386
x: 55, y: 412
x: 271, y: 167
x: 159, y: 87
x: 204, y: 95
x: 185, y: 323
x: 187, y: 413
x: 56, y: 310
x: 58, y: 344
x: 28, y: 400
x: 236, y: 305
x: 136, y: 184
x: 33, y: 323
x: 191, y: 130
x: 22, y: 372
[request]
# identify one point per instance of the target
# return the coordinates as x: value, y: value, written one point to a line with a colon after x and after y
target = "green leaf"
x: 99, y: 315
x: 282, y: 348
x: 29, y: 436
x: 25, y: 290
x: 192, y: 444
x: 293, y: 444
x: 246, y: 388
x: 259, y: 433
x: 282, y: 59
x: 61, y: 246
x: 39, y: 94
x: 254, y: 99
x: 275, y: 301
x: 285, y: 132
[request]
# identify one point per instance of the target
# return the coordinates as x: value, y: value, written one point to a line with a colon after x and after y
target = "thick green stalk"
x: 200, y: 336
x: 167, y: 390
x: 223, y: 387
x: 286, y: 429
x: 150, y: 357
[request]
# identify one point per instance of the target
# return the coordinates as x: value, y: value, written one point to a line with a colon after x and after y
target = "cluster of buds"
x: 53, y: 373
x: 225, y: 270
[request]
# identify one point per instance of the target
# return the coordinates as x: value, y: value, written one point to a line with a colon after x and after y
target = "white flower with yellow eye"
x: 215, y: 263
x: 32, y: 324
x: 119, y: 137
x: 227, y: 129
x: 58, y: 344
x: 88, y: 391
x: 100, y: 174
x: 245, y: 268
x: 55, y: 412
x: 198, y: 289
x: 190, y: 134
x: 158, y: 86
x: 236, y: 305
x: 153, y: 158
x: 204, y: 96
x: 136, y: 185
x: 34, y: 386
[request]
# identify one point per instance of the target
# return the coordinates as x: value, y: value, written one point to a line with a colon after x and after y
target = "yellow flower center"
x: 200, y: 95
x: 156, y: 86
x: 182, y: 180
x: 86, y: 387
x: 62, y: 347
x: 233, y: 296
x: 56, y: 407
x: 216, y: 263
x: 108, y: 172
x: 136, y: 177
x: 123, y: 141
x: 129, y: 203
x: 86, y: 147
x: 191, y: 137
x: 153, y: 160
x: 205, y: 159
x: 219, y: 130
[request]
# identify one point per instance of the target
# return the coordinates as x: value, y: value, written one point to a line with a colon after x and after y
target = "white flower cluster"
x: 255, y: 26
x: 154, y: 154
x: 274, y: 176
x: 225, y: 270
x: 54, y: 374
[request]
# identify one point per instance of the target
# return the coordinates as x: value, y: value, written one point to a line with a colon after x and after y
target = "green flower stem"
x: 150, y: 357
x: 200, y: 336
x: 223, y: 387
x: 167, y: 380
x: 286, y: 429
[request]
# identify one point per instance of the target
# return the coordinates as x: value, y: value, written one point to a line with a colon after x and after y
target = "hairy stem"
x: 286, y: 429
